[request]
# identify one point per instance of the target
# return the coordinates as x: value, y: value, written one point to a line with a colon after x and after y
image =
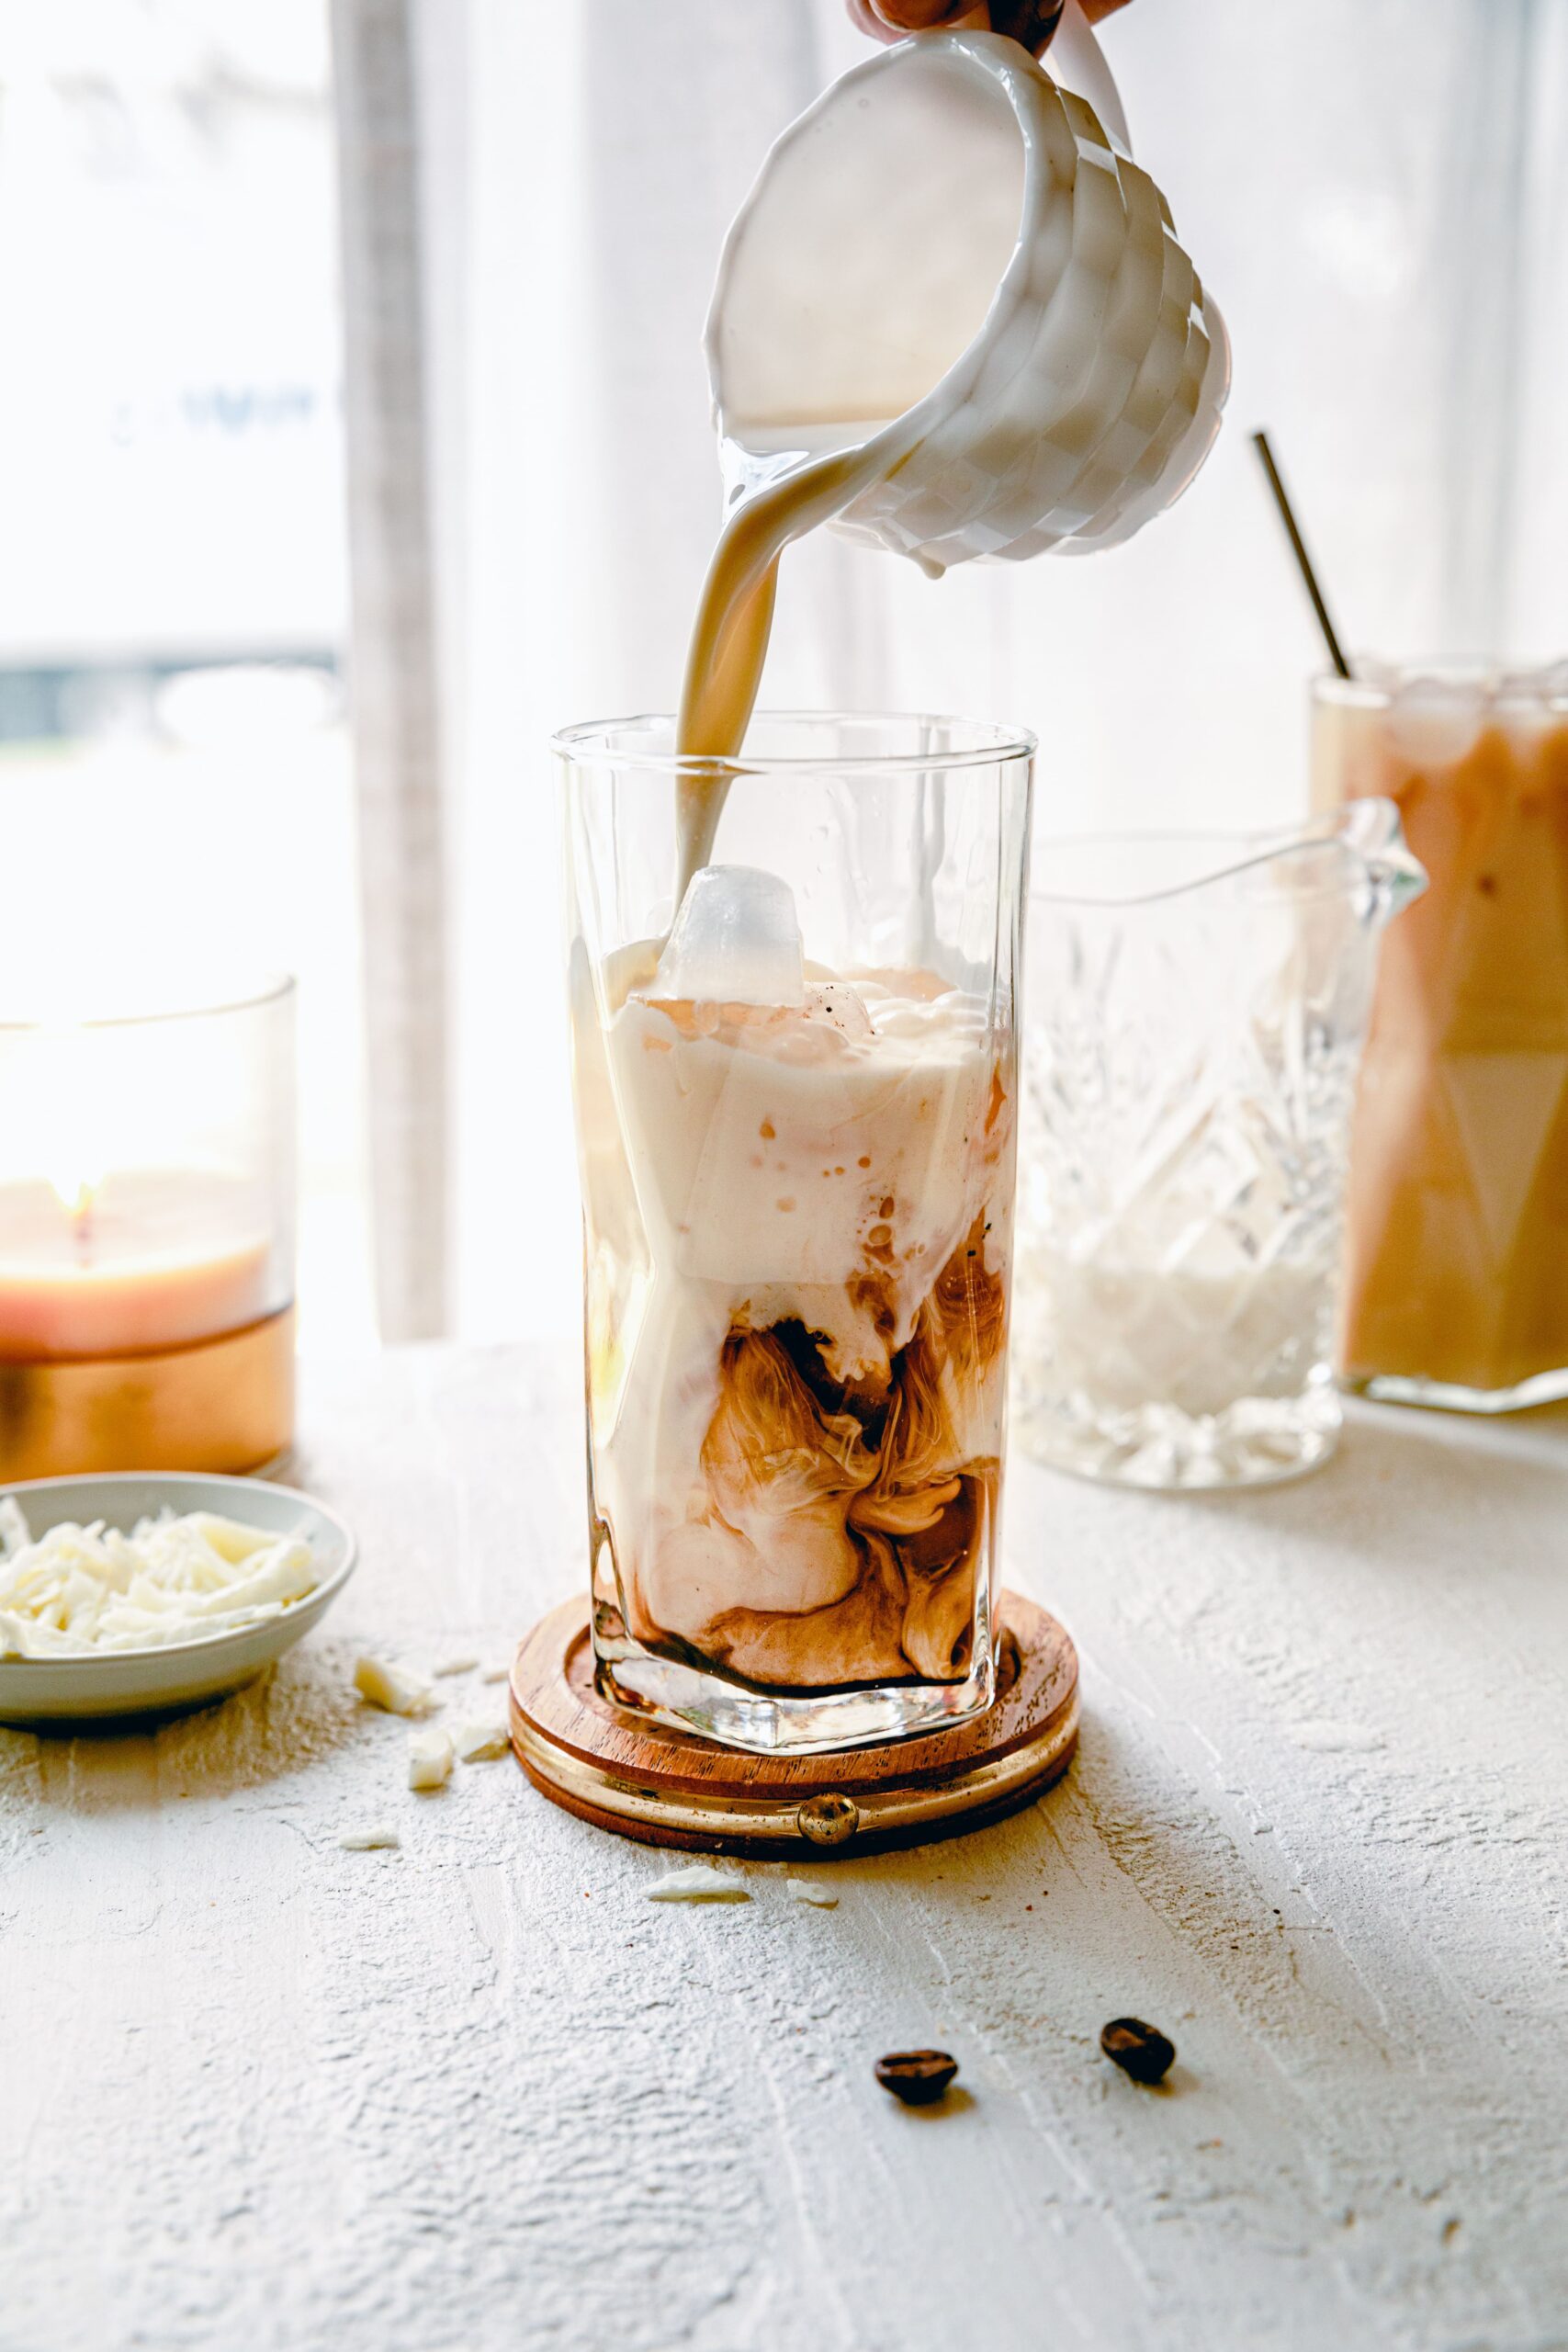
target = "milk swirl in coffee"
x: 799, y: 1478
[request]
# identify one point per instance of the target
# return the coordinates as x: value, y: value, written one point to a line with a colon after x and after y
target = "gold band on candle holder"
x: 224, y: 1403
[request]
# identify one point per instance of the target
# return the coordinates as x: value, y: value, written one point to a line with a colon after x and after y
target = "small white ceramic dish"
x: 40, y: 1691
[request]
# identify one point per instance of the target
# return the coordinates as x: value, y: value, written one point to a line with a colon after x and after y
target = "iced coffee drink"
x: 1457, y: 1277
x: 796, y: 1108
x: 794, y: 975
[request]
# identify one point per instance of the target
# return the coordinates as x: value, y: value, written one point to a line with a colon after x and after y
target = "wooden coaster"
x: 669, y: 1788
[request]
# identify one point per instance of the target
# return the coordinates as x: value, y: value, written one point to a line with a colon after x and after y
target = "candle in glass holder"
x: 146, y: 1313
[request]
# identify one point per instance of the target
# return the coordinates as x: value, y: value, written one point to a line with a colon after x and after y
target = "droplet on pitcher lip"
x: 1436, y: 722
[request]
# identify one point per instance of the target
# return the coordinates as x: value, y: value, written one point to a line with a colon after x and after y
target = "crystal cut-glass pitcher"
x: 1198, y: 1008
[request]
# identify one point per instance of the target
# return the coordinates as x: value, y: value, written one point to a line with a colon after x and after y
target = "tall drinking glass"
x: 796, y: 1119
x: 1457, y: 1283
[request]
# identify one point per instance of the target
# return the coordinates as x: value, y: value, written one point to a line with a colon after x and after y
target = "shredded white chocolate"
x: 481, y: 1743
x: 395, y: 1689
x: 83, y: 1589
x: 812, y: 1891
x: 430, y: 1760
x: 699, y: 1882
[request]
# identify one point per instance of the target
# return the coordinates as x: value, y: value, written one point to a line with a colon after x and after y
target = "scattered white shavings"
x: 1326, y: 1736
x: 811, y: 1890
x: 394, y: 1687
x: 81, y: 1589
x: 481, y: 1743
x: 699, y: 1882
x: 430, y: 1760
x: 455, y: 1666
x: 369, y: 1841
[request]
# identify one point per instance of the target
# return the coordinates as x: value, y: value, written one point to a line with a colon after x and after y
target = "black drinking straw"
x: 1298, y: 547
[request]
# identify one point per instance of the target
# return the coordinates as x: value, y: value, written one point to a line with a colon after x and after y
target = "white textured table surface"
x: 259, y: 2092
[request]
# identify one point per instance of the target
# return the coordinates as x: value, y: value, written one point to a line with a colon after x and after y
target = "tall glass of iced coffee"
x: 796, y: 1076
x: 1457, y: 1278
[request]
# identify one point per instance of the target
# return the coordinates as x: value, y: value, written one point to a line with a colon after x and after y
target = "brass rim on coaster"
x: 669, y: 1788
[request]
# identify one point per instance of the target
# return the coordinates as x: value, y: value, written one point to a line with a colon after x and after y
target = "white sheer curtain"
x: 1379, y: 198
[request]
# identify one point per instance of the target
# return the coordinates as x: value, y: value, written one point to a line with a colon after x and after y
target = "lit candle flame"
x: 77, y: 1195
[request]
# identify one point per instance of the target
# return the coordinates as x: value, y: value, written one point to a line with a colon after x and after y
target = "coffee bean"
x: 918, y: 2077
x: 1140, y: 2050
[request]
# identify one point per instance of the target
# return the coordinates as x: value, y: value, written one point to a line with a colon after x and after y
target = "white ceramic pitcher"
x: 950, y: 262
